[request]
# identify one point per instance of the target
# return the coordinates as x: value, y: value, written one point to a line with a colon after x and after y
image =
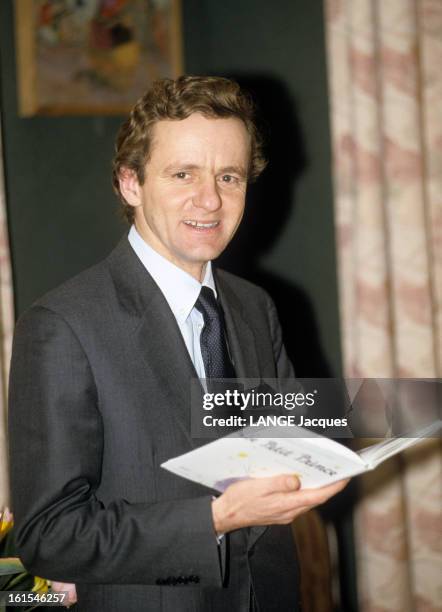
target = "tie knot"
x: 207, y: 304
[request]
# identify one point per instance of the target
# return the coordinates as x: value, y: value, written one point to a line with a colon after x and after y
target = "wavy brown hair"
x: 167, y: 99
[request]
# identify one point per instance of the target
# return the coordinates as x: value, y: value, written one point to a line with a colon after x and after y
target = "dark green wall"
x: 62, y: 212
x: 282, y: 43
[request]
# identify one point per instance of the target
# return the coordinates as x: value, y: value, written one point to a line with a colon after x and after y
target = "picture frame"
x: 94, y: 57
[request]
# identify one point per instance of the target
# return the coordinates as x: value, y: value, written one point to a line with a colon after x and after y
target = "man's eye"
x: 228, y: 178
x: 181, y: 175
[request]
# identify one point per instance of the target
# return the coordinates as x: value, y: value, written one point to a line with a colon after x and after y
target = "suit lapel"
x: 155, y: 332
x: 240, y: 336
x: 163, y: 349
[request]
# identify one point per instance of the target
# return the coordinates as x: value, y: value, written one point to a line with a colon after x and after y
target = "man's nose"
x: 208, y: 196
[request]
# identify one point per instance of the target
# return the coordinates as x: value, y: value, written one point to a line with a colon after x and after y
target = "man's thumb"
x: 291, y: 482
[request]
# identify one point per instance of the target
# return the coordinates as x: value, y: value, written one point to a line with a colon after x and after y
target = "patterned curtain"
x: 6, y: 331
x: 385, y: 80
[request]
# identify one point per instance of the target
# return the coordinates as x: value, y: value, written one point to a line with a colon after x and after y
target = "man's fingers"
x: 266, y: 501
x: 315, y: 497
x: 69, y: 589
x: 334, y: 488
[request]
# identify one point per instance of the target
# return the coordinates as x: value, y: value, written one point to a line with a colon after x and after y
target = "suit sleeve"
x: 63, y: 531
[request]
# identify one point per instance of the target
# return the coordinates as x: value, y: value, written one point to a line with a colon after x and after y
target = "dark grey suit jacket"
x: 99, y: 398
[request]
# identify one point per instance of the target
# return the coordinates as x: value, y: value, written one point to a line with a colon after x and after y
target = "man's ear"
x: 130, y: 187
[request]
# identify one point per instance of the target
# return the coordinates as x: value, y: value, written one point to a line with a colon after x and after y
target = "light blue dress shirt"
x: 181, y: 291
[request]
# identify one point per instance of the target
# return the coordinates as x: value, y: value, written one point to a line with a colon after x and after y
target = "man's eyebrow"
x: 177, y: 167
x: 234, y: 170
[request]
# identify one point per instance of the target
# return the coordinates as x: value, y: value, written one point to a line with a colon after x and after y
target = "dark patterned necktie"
x: 217, y: 363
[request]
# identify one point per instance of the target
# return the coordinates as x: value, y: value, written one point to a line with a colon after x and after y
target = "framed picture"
x: 93, y: 56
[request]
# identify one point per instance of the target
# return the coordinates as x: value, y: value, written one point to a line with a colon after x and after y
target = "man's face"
x: 193, y: 197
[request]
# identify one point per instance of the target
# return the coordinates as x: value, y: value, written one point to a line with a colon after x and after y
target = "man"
x: 101, y: 371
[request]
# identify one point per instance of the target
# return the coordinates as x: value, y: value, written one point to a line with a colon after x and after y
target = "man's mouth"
x: 201, y: 225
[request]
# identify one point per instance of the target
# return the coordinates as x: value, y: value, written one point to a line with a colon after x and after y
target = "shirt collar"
x: 179, y: 288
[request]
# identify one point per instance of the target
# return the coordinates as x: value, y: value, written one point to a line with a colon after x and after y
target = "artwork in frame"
x: 93, y: 56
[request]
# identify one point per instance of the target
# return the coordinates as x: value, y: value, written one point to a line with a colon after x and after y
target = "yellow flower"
x: 40, y: 585
x: 6, y: 522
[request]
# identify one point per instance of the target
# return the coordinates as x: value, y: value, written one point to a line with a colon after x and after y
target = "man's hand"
x: 267, y: 501
x: 66, y: 587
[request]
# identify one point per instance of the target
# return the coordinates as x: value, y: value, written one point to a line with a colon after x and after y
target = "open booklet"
x: 316, y: 460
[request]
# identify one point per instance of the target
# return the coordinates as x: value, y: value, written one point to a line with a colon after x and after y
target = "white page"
x: 315, y: 460
x: 377, y: 453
